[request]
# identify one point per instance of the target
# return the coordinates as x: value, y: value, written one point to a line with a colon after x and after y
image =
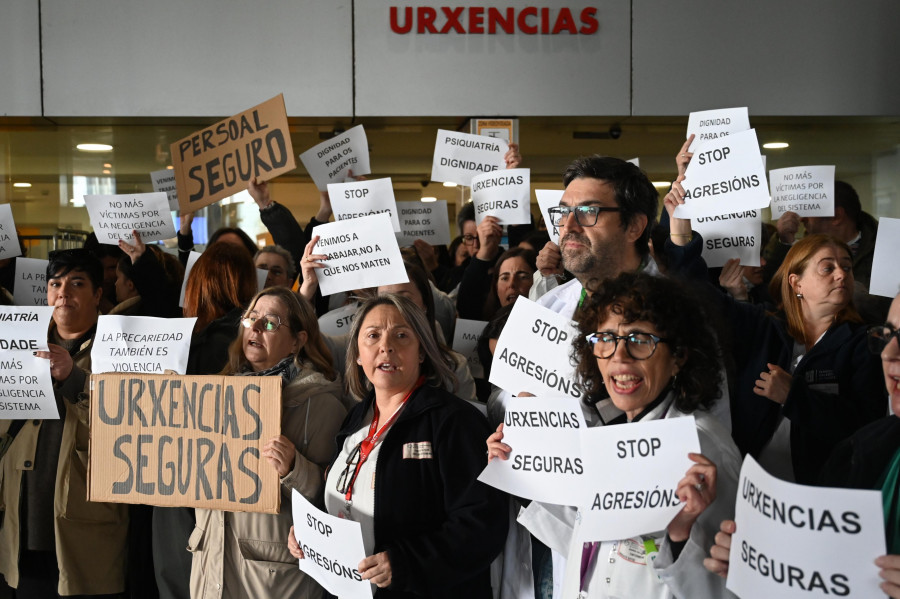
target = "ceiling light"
x: 94, y: 147
x: 776, y: 145
x: 429, y: 199
x: 106, y: 171
x: 22, y: 184
x: 661, y: 184
x: 107, y: 165
x: 449, y: 184
x: 170, y: 167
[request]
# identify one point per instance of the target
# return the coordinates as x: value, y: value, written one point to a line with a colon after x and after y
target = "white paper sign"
x: 465, y: 342
x: 261, y: 276
x: 332, y: 548
x: 460, y: 156
x: 26, y: 387
x: 885, y: 265
x: 331, y: 160
x: 114, y: 217
x: 546, y: 462
x: 806, y: 190
x: 504, y: 194
x: 635, y: 161
x: 31, y: 282
x: 725, y: 175
x: 638, y: 467
x: 9, y: 239
x: 141, y: 344
x: 546, y: 199
x: 364, y: 198
x: 362, y: 252
x: 710, y: 125
x: 532, y: 353
x: 164, y: 181
x: 427, y: 221
x: 339, y: 321
x: 24, y: 328
x: 727, y: 236
x: 795, y: 541
x: 192, y: 259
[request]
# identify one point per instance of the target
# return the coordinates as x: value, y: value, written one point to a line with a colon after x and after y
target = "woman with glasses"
x: 639, y: 349
x: 242, y: 553
x: 804, y: 379
x: 408, y: 459
x: 870, y: 459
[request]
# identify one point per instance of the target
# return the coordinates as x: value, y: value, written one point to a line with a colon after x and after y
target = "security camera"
x: 615, y: 132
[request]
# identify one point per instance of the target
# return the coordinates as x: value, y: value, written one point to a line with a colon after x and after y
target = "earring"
x: 799, y: 296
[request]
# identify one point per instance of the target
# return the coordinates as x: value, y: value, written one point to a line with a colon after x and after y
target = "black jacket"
x: 440, y: 526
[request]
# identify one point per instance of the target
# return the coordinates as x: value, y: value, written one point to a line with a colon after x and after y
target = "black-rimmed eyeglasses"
x: 585, y: 215
x: 880, y: 335
x: 347, y: 477
x: 640, y: 346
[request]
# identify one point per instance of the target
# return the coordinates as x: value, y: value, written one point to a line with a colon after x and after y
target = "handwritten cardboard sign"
x: 332, y: 160
x: 460, y: 156
x: 114, y: 217
x: 427, y: 221
x: 362, y: 252
x: 709, y: 125
x: 332, y: 549
x: 26, y: 388
x: 364, y: 198
x: 637, y: 467
x: 725, y: 175
x: 31, y: 282
x: 190, y: 441
x: 141, y: 344
x: 532, y: 353
x: 546, y: 462
x: 806, y: 190
x: 885, y: 266
x: 546, y: 199
x: 9, y: 239
x: 465, y: 342
x: 219, y: 161
x: 796, y: 541
x: 503, y: 194
x: 338, y: 321
x: 727, y: 236
x: 164, y: 181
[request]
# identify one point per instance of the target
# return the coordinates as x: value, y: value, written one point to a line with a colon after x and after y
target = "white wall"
x: 20, y: 58
x: 197, y: 58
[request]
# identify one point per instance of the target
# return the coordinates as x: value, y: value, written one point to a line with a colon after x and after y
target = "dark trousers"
x: 39, y: 578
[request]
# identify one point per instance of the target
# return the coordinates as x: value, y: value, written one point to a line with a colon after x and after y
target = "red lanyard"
x: 368, y: 444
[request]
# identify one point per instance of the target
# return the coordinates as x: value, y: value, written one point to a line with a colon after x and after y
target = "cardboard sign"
x: 532, y: 353
x: 26, y: 387
x: 184, y: 441
x: 364, y: 198
x: 332, y: 549
x: 503, y: 194
x: 331, y: 161
x: 141, y: 344
x: 725, y: 175
x: 794, y: 541
x: 709, y: 125
x: 339, y: 321
x: 460, y: 156
x: 727, y: 236
x: 806, y: 190
x: 546, y: 462
x: 164, y: 182
x: 427, y: 221
x: 24, y: 328
x: 885, y: 266
x: 114, y: 217
x: 31, y: 282
x: 638, y: 467
x: 465, y: 342
x: 546, y: 199
x: 505, y: 129
x: 192, y: 259
x: 9, y: 239
x: 221, y: 160
x: 362, y: 252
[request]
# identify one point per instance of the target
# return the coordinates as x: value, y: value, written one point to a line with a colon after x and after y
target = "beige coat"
x: 90, y: 537
x: 242, y: 554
